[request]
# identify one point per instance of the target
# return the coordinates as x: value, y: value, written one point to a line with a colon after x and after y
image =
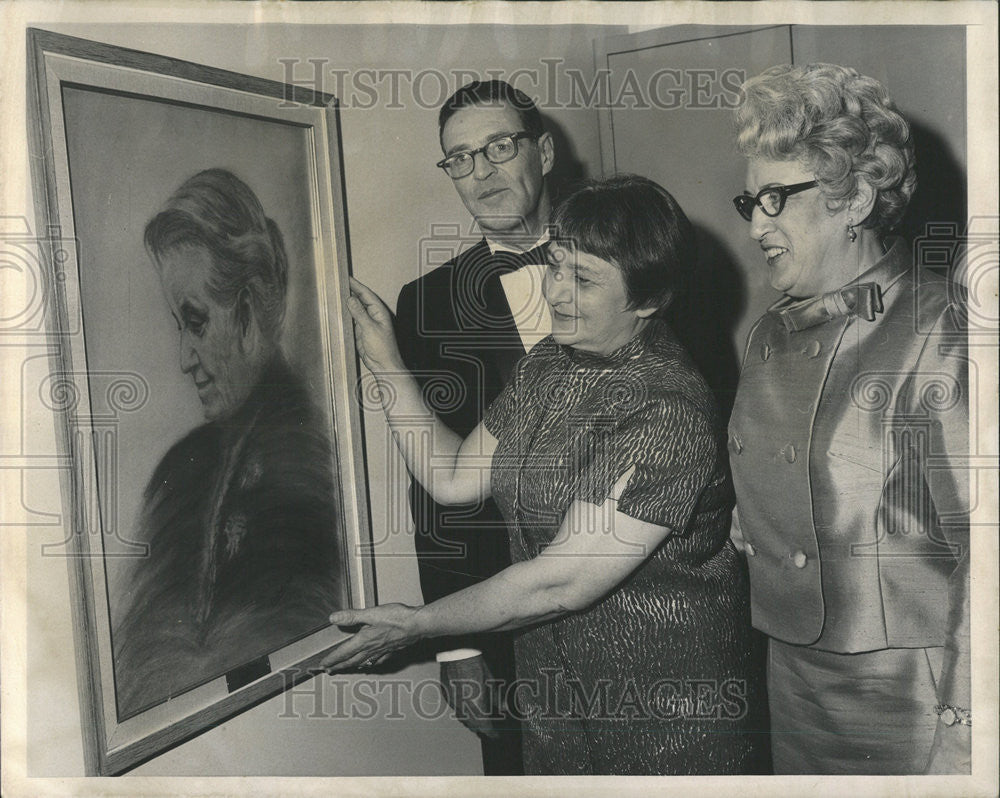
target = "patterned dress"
x: 655, y: 677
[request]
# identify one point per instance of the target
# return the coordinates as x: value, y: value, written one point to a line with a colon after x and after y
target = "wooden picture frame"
x: 181, y: 498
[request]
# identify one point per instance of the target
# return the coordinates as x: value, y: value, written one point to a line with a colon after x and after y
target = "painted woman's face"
x: 215, y: 347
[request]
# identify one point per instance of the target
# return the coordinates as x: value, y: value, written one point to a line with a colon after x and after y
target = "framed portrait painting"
x: 203, y: 370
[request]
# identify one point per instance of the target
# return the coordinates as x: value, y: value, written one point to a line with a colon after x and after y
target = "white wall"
x: 394, y: 195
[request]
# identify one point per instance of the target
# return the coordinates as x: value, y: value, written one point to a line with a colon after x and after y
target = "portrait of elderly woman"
x: 848, y: 437
x: 240, y: 515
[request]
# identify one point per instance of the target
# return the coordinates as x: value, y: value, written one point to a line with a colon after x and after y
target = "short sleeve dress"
x: 656, y: 676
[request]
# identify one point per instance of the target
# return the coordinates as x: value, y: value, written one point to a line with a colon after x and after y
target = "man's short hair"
x: 493, y: 92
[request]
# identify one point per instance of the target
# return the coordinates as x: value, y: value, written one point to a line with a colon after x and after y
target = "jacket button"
x: 812, y: 349
x: 789, y: 453
x: 799, y: 559
x: 765, y: 352
x: 749, y: 549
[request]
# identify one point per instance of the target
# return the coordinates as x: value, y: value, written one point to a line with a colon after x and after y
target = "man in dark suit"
x: 461, y: 328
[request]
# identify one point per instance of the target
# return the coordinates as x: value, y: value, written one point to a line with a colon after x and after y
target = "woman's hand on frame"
x: 374, y: 336
x: 383, y: 630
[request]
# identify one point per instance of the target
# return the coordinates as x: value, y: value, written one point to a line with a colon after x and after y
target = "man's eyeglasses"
x: 498, y: 150
x: 771, y: 200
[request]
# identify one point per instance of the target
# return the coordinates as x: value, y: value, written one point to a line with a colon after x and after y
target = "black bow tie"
x: 504, y: 261
x: 479, y: 292
x: 863, y: 299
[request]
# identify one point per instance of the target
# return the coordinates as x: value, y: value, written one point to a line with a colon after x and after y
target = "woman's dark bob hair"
x: 638, y: 226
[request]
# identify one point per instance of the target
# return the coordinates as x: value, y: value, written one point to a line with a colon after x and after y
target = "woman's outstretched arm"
x: 595, y: 550
x: 451, y: 470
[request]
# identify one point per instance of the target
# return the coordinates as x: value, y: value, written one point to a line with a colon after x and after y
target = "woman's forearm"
x: 520, y: 595
x: 575, y: 570
x: 578, y: 568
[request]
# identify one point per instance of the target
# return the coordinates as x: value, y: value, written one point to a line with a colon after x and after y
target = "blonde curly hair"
x: 841, y: 124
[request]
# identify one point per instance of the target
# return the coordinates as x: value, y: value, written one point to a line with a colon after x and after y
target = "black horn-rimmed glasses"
x: 497, y: 150
x: 770, y: 200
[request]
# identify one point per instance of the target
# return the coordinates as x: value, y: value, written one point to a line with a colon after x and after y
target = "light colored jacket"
x: 850, y: 455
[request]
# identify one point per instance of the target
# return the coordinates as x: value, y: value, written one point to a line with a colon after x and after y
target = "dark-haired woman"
x: 604, y: 456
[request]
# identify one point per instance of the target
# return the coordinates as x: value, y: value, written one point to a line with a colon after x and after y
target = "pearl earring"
x: 852, y: 234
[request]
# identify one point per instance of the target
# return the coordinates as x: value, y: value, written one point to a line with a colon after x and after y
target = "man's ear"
x: 547, y: 149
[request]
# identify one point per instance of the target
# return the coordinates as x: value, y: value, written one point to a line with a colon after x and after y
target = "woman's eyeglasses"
x: 498, y: 150
x: 770, y: 200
